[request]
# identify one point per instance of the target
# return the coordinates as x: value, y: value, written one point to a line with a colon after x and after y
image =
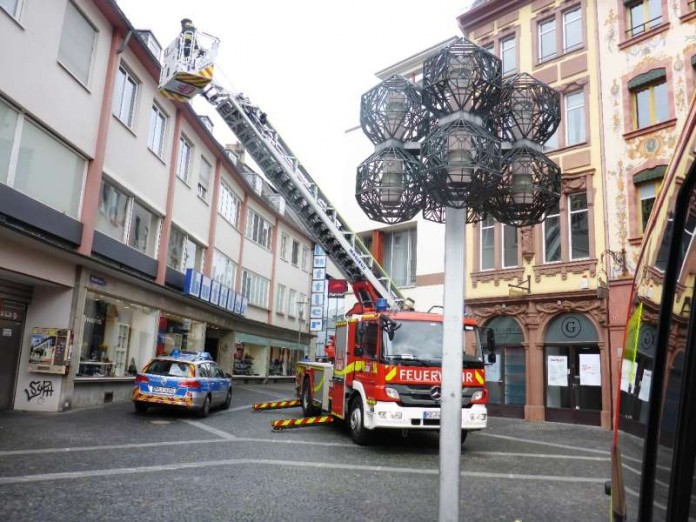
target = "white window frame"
x: 577, y: 10
x: 305, y: 258
x: 647, y: 190
x: 571, y: 213
x: 483, y: 228
x: 17, y: 10
x: 578, y: 107
x: 203, y: 189
x: 512, y: 49
x: 127, y: 118
x: 280, y: 299
x: 512, y: 230
x: 184, y: 163
x: 229, y: 204
x: 543, y: 236
x: 292, y: 303
x: 295, y: 259
x: 184, y: 257
x: 550, y: 22
x: 284, y: 246
x: 255, y: 288
x: 61, y: 61
x: 157, y: 115
x: 224, y: 269
x: 256, y: 227
x: 302, y: 306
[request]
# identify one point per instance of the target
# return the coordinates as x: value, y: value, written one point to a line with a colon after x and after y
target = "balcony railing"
x: 647, y: 26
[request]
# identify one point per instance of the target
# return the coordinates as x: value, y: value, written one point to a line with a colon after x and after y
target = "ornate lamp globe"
x: 387, y: 187
x: 393, y: 110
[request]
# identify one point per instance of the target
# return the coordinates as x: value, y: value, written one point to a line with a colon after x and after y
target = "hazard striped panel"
x: 173, y: 96
x: 286, y: 424
x: 159, y: 399
x: 480, y: 378
x: 277, y: 405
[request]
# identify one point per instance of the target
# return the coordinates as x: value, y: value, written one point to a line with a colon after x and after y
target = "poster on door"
x: 493, y: 371
x: 590, y: 371
x: 628, y: 375
x: 557, y: 370
x: 646, y: 381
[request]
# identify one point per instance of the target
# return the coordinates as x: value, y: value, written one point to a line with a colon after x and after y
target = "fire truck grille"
x: 421, y: 396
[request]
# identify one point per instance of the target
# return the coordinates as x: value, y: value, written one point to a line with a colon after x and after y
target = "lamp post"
x: 300, y: 314
x: 480, y: 153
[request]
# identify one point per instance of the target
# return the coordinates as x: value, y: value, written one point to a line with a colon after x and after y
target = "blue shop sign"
x: 202, y: 287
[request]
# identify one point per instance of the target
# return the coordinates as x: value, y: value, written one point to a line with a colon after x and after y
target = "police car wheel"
x: 228, y: 400
x: 356, y: 423
x: 140, y: 407
x: 205, y: 409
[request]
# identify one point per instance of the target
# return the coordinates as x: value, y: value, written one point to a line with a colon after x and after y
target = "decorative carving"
x: 486, y: 312
x: 574, y: 183
x: 596, y: 308
x: 497, y: 276
x: 527, y: 243
x: 573, y: 267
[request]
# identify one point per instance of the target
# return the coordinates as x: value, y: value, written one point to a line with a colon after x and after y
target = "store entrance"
x: 505, y: 378
x: 10, y: 347
x: 573, y: 371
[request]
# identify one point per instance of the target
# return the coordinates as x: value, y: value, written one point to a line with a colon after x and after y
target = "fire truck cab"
x: 387, y: 373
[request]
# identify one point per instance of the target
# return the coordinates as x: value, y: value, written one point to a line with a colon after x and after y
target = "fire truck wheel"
x: 356, y: 423
x: 308, y: 409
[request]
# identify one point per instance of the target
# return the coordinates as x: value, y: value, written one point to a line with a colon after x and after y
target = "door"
x: 10, y: 345
x: 573, y: 384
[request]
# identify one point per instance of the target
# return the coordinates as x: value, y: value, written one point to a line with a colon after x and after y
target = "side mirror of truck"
x: 360, y: 333
x: 491, y: 358
x: 490, y: 343
x: 359, y: 352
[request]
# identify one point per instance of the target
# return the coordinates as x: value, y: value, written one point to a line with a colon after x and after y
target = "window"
x: 295, y: 255
x: 258, y: 229
x: 124, y: 96
x: 224, y: 269
x: 183, y: 252
x: 229, y: 204
x: 255, y: 289
x: 11, y: 6
x: 490, y: 47
x: 508, y: 54
x: 280, y: 299
x: 155, y: 138
x: 302, y: 305
x: 643, y: 15
x: 76, y: 41
x: 552, y: 236
x: 510, y: 257
x: 552, y: 142
x: 305, y: 258
x: 572, y: 29
x: 487, y: 244
x: 183, y: 161
x: 579, y: 226
x: 284, y: 247
x: 8, y: 125
x: 46, y: 169
x: 547, y: 39
x: 292, y: 303
x: 650, y: 98
x: 575, y: 118
x: 647, y: 192
x: 113, y: 207
x: 400, y: 256
x: 144, y: 229
x: 204, y: 179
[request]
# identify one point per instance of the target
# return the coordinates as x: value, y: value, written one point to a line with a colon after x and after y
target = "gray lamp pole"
x: 480, y: 153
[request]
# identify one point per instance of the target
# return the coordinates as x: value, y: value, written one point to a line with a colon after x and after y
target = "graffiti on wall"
x: 39, y: 389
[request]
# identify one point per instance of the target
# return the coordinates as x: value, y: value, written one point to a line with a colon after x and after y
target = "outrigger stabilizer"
x: 277, y: 405
x: 285, y: 424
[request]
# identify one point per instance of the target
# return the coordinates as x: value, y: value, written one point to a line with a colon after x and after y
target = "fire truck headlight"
x: 391, y: 393
x: 477, y: 395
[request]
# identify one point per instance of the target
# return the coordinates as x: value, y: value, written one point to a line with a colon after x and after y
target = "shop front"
x: 573, y: 370
x: 258, y: 356
x: 506, y: 378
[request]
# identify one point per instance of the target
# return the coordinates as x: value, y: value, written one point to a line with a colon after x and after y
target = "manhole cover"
x: 161, y: 422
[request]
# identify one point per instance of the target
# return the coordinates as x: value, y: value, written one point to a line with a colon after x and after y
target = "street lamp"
x: 481, y: 153
x: 300, y: 314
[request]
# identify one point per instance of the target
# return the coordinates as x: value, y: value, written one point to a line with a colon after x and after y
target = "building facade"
x: 127, y: 229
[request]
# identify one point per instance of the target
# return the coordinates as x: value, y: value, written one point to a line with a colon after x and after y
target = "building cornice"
x: 486, y: 12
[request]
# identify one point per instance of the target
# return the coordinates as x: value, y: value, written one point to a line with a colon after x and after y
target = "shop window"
x: 508, y: 55
x: 295, y: 254
x: 280, y: 299
x: 642, y: 16
x: 547, y: 39
x: 399, y: 255
x: 258, y: 229
x: 575, y: 118
x: 282, y: 361
x: 284, y: 247
x: 650, y: 98
x: 488, y: 244
x: 552, y: 236
x: 255, y: 289
x: 224, y: 269
x: 158, y: 124
x: 179, y: 333
x: 183, y: 252
x: 118, y: 337
x: 184, y: 159
x: 125, y: 93
x: 12, y: 7
x: 292, y: 303
x: 47, y: 170
x: 76, y: 42
x: 578, y: 216
x: 229, y: 204
x: 204, y: 175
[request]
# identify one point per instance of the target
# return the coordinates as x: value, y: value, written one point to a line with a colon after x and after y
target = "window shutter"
x: 647, y: 78
x: 649, y: 174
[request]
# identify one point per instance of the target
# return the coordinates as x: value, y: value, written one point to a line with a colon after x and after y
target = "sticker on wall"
x: 315, y: 325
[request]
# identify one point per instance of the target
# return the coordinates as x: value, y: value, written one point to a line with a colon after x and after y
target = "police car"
x: 190, y: 380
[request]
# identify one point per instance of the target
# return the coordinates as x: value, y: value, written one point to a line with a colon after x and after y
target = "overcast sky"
x: 306, y: 63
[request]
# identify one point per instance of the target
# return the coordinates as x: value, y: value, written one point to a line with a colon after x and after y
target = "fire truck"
x: 386, y: 372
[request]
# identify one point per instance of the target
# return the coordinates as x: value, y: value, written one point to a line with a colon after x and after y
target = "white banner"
x: 590, y: 370
x: 645, y: 383
x: 557, y: 370
x: 628, y: 375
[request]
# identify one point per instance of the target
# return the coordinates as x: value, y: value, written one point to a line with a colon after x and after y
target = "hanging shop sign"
x: 203, y: 288
x: 316, y: 321
x: 337, y: 287
x: 50, y: 350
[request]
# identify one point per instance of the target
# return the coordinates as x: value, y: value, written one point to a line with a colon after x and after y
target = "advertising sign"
x: 557, y: 370
x: 192, y: 283
x: 214, y: 292
x: 50, y: 350
x: 590, y: 374
x: 337, y: 287
x: 205, y: 288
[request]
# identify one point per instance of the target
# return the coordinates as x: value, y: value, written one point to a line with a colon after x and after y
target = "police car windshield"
x: 422, y: 340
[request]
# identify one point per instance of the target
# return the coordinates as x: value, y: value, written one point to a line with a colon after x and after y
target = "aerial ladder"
x: 188, y: 71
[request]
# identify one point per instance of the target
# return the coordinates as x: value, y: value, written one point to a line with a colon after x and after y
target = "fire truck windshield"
x: 421, y: 341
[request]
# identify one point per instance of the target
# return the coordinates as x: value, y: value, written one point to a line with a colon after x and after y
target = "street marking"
x: 534, y: 455
x: 44, y: 477
x: 542, y: 443
x: 283, y: 396
x: 209, y: 429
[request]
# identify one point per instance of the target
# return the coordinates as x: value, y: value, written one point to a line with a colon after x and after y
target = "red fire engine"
x: 387, y: 367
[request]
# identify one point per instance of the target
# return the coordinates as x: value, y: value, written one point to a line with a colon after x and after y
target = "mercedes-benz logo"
x: 436, y: 393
